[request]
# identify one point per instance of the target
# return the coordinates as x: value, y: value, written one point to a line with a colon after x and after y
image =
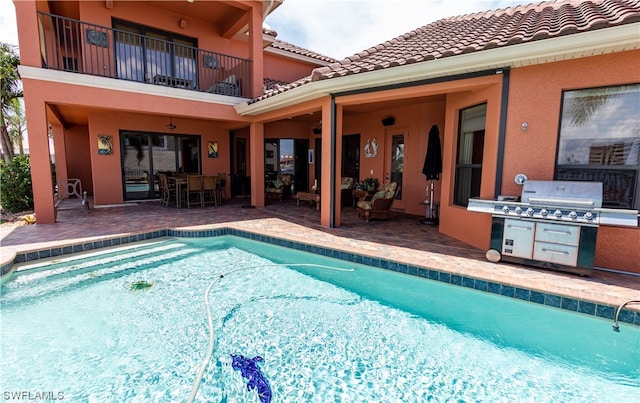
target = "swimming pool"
x: 77, y: 328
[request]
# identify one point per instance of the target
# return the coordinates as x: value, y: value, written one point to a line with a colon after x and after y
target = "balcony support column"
x: 256, y: 152
x: 39, y: 153
x: 255, y: 50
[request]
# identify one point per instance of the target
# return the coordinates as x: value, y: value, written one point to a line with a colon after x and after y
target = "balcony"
x: 78, y: 47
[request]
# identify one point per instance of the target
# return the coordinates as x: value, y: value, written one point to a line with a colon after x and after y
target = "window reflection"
x: 600, y: 141
x: 601, y: 126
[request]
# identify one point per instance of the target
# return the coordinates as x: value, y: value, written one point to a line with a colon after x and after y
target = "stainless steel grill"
x: 553, y: 224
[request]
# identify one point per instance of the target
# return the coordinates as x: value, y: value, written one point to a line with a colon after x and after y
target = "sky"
x: 336, y: 28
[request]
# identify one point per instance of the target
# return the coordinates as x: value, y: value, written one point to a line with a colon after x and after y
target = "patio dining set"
x: 183, y: 190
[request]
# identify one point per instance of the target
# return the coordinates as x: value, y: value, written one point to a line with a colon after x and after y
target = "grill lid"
x: 563, y: 193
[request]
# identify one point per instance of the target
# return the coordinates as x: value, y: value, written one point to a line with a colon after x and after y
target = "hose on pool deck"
x: 207, y: 359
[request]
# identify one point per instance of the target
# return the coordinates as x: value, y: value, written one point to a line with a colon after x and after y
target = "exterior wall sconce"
x: 317, y: 130
x: 525, y: 126
x: 183, y: 23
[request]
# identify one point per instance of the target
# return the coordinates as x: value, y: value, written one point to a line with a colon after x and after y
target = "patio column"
x: 338, y: 163
x: 256, y: 156
x: 256, y: 50
x: 58, y: 134
x: 42, y: 182
x: 327, y: 184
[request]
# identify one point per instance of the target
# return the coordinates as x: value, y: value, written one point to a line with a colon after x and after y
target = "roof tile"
x: 482, y: 31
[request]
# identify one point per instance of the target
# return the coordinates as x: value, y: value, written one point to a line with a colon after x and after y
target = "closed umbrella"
x: 432, y: 167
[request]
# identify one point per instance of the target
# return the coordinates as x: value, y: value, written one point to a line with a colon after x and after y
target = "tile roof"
x: 480, y: 31
x: 272, y: 84
x: 288, y: 47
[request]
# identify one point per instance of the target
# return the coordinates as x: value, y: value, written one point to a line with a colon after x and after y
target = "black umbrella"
x: 433, y: 164
x: 433, y: 160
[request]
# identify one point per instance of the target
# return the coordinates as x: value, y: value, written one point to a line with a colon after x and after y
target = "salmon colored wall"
x: 534, y: 97
x: 78, y: 156
x: 618, y: 248
x: 39, y: 152
x: 107, y: 171
x: 456, y: 221
x: 414, y: 122
x: 287, y: 130
x: 288, y: 70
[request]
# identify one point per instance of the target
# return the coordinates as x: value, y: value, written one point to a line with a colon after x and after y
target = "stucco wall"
x: 107, y: 172
x: 534, y: 97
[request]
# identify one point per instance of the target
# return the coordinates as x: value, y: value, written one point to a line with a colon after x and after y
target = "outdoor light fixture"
x: 525, y: 126
x: 171, y: 126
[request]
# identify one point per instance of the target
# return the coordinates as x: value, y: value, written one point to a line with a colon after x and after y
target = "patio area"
x: 403, y: 238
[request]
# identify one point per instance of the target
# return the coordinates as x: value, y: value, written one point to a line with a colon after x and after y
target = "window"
x: 146, y: 54
x: 469, y: 154
x: 599, y: 141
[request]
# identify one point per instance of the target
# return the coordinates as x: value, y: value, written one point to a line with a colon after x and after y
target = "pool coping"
x: 578, y: 305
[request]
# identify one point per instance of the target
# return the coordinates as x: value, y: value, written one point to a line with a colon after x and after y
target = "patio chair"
x: 280, y: 188
x: 167, y: 191
x: 210, y: 191
x: 380, y: 204
x: 69, y: 195
x: 193, y: 190
x: 222, y: 187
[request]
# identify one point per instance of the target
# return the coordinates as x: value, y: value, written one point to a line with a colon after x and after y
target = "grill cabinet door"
x: 518, y: 238
x: 557, y: 243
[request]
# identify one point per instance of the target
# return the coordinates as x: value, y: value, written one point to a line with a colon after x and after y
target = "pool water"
x: 366, y: 335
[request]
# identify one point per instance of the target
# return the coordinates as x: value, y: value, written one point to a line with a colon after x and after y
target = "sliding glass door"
x: 145, y: 155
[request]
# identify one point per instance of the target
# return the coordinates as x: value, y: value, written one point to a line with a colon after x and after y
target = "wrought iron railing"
x: 75, y: 46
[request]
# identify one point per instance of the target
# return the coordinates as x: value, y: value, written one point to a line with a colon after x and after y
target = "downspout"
x: 502, y: 131
x: 332, y: 178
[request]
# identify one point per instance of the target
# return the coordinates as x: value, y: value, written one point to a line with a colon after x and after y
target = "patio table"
x: 179, y: 183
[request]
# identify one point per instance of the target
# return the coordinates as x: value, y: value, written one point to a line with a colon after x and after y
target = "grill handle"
x: 566, y: 202
x: 557, y: 252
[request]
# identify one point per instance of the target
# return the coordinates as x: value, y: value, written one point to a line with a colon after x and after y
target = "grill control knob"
x: 544, y: 212
x: 588, y: 215
x: 505, y: 209
x: 518, y: 210
x: 557, y: 213
x: 530, y: 211
x: 573, y: 215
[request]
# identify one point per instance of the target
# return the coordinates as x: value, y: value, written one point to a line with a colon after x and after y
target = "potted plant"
x: 370, y: 184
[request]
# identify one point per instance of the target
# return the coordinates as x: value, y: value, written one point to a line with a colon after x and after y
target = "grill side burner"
x: 554, y: 225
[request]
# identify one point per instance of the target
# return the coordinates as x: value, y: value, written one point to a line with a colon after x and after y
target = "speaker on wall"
x: 388, y: 121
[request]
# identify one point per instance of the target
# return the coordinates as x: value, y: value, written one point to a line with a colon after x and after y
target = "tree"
x: 11, y: 90
x: 16, y: 125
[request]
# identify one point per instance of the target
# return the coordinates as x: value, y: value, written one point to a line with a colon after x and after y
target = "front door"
x: 394, y: 164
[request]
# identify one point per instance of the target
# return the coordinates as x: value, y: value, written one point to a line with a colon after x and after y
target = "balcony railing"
x: 78, y: 47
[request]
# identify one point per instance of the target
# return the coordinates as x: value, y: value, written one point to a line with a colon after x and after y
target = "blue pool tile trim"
x: 557, y: 301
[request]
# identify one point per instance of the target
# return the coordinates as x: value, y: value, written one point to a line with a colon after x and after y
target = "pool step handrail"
x: 616, y: 327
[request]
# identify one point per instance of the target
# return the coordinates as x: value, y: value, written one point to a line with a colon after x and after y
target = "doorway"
x: 394, y: 165
x: 144, y: 155
x: 351, y: 156
x: 287, y: 156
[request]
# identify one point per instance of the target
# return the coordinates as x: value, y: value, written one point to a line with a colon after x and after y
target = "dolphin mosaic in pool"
x: 249, y: 369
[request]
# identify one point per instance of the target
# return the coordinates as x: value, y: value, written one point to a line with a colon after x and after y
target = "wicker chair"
x: 380, y: 204
x: 280, y: 188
